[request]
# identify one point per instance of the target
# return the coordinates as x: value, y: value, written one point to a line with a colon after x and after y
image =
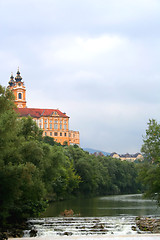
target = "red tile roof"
x: 38, y: 112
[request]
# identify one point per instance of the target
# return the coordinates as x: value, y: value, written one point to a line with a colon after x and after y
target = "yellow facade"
x: 53, y: 122
x: 74, y: 137
x: 58, y: 128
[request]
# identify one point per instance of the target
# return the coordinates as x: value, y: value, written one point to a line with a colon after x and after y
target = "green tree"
x: 59, y: 174
x: 21, y: 188
x: 8, y: 124
x: 150, y: 169
x: 151, y: 142
x: 50, y: 141
x: 29, y: 129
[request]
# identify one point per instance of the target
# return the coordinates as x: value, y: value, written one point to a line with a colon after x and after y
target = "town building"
x: 127, y: 156
x: 53, y: 122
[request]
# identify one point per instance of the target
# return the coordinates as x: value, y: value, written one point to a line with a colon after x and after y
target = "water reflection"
x: 131, y: 205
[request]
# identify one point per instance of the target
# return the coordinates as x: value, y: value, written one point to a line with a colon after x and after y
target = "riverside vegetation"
x: 35, y: 170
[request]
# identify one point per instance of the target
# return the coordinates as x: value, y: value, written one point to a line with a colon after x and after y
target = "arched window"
x: 20, y: 95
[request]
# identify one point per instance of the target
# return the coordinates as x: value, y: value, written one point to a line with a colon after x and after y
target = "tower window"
x: 20, y: 95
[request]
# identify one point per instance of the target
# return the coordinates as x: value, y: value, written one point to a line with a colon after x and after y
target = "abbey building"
x: 53, y: 122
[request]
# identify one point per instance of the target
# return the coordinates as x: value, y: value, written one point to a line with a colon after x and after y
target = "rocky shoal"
x: 148, y: 224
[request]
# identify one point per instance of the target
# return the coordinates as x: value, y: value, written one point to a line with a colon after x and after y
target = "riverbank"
x: 97, y: 237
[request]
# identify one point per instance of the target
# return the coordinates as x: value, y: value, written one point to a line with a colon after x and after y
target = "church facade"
x: 53, y: 122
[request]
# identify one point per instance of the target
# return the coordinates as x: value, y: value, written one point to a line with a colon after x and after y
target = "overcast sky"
x: 96, y: 60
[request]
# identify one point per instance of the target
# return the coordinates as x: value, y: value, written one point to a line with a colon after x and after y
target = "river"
x: 99, y: 215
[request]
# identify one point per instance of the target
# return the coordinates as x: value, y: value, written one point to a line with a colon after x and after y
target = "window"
x: 20, y: 95
x: 45, y: 121
x: 45, y: 134
x: 45, y: 125
x: 50, y: 133
x: 61, y: 134
x: 55, y: 134
x: 50, y: 126
x: 64, y: 121
x: 40, y: 126
x: 55, y: 126
x: 55, y: 121
x: 65, y: 134
x: 60, y: 121
x: 60, y: 126
x: 65, y: 126
x: 50, y: 121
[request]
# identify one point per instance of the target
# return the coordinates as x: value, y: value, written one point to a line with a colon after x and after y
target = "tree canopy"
x: 150, y: 170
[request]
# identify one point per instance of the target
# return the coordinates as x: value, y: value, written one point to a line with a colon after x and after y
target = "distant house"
x: 115, y: 155
x: 127, y: 156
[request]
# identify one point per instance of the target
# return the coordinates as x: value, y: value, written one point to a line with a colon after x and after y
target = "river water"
x: 99, y: 215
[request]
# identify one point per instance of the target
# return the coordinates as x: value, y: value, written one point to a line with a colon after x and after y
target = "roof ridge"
x: 39, y: 112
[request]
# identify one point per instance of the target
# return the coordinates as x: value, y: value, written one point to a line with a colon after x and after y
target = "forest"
x: 35, y: 170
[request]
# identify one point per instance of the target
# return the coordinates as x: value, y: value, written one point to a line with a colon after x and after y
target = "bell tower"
x: 17, y: 87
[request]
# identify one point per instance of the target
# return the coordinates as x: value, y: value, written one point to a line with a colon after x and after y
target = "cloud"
x: 76, y: 49
x: 52, y: 17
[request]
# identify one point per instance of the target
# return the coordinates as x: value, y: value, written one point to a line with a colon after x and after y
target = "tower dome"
x: 18, y: 89
x: 11, y: 82
x: 18, y: 78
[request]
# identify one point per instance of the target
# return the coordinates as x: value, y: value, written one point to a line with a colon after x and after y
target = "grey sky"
x: 97, y: 60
